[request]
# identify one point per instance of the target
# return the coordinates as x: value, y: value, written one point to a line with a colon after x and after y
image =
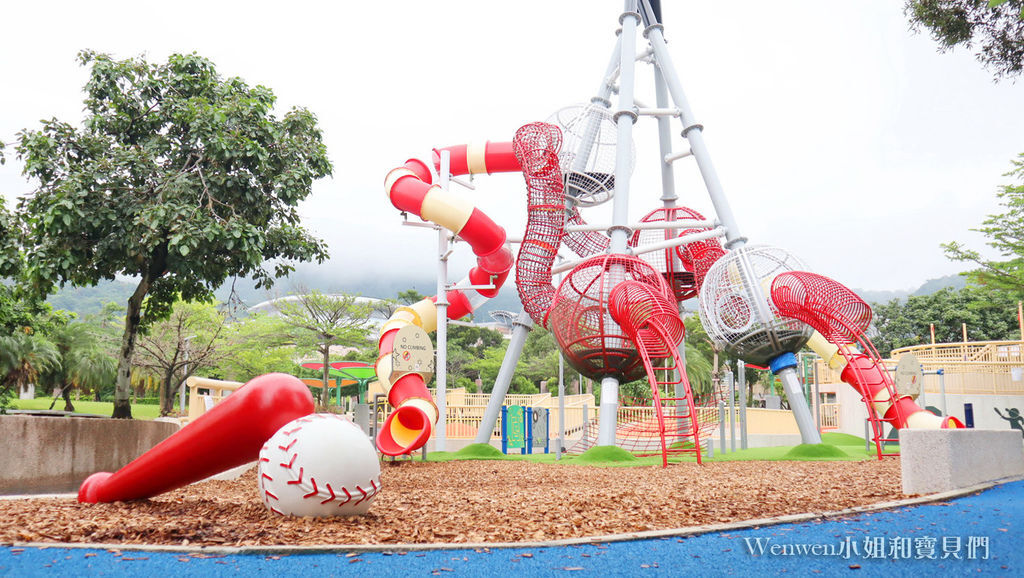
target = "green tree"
x: 23, y: 356
x: 179, y: 179
x: 539, y: 361
x: 322, y: 321
x: 410, y: 296
x: 995, y: 28
x: 89, y: 369
x: 1006, y: 235
x: 73, y: 341
x: 256, y: 345
x: 466, y: 344
x: 181, y: 345
x: 989, y: 315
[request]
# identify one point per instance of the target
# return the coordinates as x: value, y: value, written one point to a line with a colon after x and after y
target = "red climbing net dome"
x: 592, y: 342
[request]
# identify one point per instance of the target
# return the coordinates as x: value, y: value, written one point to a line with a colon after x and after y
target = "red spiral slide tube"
x: 229, y: 435
x: 410, y: 189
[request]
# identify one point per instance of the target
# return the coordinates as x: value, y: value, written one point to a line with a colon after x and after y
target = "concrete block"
x: 949, y: 459
x: 56, y: 454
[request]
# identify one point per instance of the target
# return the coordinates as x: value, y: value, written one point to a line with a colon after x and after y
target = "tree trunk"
x: 66, y: 393
x: 123, y: 385
x: 325, y: 393
x: 167, y: 391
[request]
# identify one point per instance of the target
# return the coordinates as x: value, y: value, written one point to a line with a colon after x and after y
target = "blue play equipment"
x: 524, y: 428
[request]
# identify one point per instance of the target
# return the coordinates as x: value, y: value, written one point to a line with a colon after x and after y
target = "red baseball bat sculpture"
x: 229, y: 435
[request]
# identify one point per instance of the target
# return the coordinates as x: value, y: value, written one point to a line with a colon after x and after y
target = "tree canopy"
x: 179, y: 346
x: 321, y: 321
x: 989, y: 315
x: 1006, y: 235
x: 177, y: 178
x: 993, y: 28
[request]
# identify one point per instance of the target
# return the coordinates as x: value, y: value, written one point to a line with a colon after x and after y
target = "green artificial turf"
x: 605, y: 454
x: 104, y: 408
x: 848, y: 448
x: 816, y: 451
x: 480, y: 452
x: 841, y: 439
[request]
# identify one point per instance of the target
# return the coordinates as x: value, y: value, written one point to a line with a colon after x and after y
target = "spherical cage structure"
x: 590, y: 339
x: 589, y: 151
x: 736, y: 309
x: 673, y: 266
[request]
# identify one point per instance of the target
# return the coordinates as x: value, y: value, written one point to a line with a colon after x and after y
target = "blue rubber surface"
x: 976, y: 535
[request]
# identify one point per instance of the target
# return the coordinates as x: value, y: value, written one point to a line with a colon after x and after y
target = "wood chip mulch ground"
x: 470, y: 501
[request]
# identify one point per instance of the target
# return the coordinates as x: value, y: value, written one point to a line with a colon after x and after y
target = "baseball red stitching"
x: 365, y: 495
x: 289, y: 464
x: 315, y: 490
x: 331, y: 490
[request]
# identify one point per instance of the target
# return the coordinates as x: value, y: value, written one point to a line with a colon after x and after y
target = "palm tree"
x: 88, y: 368
x: 71, y: 339
x: 23, y: 356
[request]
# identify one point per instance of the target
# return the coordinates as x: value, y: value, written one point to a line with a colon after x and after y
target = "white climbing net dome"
x: 736, y: 307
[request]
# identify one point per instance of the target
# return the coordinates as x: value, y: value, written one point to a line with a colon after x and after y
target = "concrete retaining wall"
x: 948, y: 459
x: 55, y: 454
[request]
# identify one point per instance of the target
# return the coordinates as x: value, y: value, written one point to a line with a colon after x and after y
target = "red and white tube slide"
x: 839, y: 318
x: 869, y: 378
x: 410, y: 190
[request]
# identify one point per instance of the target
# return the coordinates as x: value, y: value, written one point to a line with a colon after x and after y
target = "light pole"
x: 181, y: 388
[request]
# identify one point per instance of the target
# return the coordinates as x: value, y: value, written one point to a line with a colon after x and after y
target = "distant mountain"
x: 930, y: 286
x: 89, y: 300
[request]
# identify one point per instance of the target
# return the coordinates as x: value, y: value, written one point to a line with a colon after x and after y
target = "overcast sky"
x: 837, y: 133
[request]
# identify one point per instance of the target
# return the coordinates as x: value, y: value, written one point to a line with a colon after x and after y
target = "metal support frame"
x: 671, y: 103
x: 741, y: 386
x: 441, y: 365
x: 624, y: 118
x: 501, y: 383
x: 561, y: 406
x: 798, y: 405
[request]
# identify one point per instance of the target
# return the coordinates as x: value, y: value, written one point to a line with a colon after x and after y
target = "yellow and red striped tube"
x: 409, y: 426
x: 477, y: 159
x: 410, y: 190
x: 869, y: 378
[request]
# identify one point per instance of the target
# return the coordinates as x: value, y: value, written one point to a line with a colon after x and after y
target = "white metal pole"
x: 741, y: 380
x: 817, y: 397
x: 942, y: 387
x: 798, y: 404
x: 561, y: 406
x: 441, y: 371
x: 732, y: 414
x: 608, y: 416
x: 624, y: 119
x: 692, y: 131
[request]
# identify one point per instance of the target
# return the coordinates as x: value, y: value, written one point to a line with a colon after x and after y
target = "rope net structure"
x: 842, y: 318
x: 677, y: 264
x: 829, y: 307
x: 536, y: 147
x: 737, y: 312
x: 590, y: 339
x: 615, y: 315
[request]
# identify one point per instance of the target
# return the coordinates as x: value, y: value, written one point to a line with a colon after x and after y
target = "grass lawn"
x: 105, y: 408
